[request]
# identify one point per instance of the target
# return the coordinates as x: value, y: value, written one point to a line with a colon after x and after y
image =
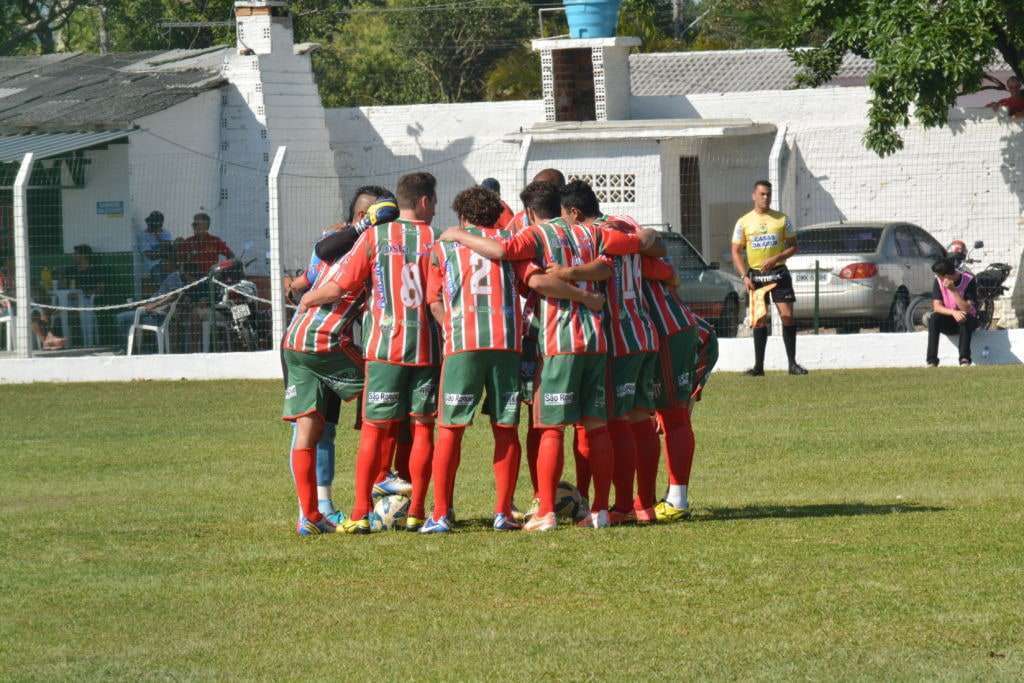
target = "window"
x: 905, y: 245
x: 610, y: 188
x: 928, y: 245
x: 845, y: 240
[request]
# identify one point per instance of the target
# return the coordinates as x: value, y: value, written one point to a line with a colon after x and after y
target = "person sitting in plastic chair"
x: 170, y: 281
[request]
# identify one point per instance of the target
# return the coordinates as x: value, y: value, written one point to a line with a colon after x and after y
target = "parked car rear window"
x: 844, y: 240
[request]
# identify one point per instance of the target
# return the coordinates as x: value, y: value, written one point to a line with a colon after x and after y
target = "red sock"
x: 532, y: 449
x: 372, y: 440
x: 648, y: 450
x: 582, y: 466
x: 419, y: 465
x: 623, y: 463
x: 453, y: 467
x: 446, y: 455
x: 403, y: 450
x: 506, y: 467
x: 303, y: 462
x: 388, y: 443
x: 679, y: 444
x: 596, y: 448
x: 550, y: 462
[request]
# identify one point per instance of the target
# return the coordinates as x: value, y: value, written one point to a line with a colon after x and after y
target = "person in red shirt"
x: 1014, y: 104
x: 200, y: 252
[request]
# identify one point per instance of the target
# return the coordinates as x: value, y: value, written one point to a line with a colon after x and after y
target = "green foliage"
x: 747, y: 24
x: 516, y: 76
x: 148, y: 533
x: 926, y: 54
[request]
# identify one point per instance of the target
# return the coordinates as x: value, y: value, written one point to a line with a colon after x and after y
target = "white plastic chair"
x: 162, y: 331
x: 8, y: 321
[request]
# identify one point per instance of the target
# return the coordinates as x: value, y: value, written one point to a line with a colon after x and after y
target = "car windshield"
x: 687, y: 262
x: 844, y: 240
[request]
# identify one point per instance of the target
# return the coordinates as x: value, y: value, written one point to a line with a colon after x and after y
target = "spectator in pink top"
x: 954, y: 310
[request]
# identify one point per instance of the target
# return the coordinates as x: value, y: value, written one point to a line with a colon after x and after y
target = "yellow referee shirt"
x: 763, y: 235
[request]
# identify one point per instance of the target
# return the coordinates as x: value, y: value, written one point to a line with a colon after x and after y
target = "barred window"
x: 613, y: 188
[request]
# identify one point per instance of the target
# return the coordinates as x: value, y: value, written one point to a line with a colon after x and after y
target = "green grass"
x: 853, y: 533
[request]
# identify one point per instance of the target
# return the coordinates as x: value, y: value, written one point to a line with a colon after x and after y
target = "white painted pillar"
x: 276, y: 294
x: 775, y: 167
x: 22, y: 291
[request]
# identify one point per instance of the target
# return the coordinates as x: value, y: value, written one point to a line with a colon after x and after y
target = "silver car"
x: 710, y: 293
x: 867, y: 273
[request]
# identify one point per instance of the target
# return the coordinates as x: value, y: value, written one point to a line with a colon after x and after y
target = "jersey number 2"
x: 480, y: 267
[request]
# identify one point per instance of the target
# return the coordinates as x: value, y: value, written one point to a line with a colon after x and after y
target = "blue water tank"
x: 592, y: 18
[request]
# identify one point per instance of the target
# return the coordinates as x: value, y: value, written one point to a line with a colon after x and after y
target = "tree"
x: 747, y: 24
x: 516, y: 76
x: 35, y: 21
x: 926, y: 54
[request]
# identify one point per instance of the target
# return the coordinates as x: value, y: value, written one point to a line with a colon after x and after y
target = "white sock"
x: 323, y: 492
x: 677, y: 496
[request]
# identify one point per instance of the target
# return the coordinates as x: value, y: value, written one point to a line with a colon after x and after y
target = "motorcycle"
x: 233, y: 310
x: 989, y: 283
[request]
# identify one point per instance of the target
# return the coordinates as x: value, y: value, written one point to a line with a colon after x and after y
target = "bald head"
x: 550, y: 175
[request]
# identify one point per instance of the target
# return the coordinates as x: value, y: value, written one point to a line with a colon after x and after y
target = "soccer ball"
x: 391, y: 510
x: 569, y: 503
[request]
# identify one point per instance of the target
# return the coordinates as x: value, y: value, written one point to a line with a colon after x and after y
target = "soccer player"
x: 634, y: 344
x: 571, y: 376
x: 390, y: 263
x: 477, y: 302
x: 688, y: 350
x: 319, y: 360
x: 761, y: 242
x: 334, y: 243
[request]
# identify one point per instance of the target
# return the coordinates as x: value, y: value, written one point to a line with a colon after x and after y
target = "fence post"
x: 277, y: 311
x: 817, y: 271
x: 22, y: 277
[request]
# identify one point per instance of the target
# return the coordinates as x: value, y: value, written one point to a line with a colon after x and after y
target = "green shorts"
x: 311, y: 378
x: 569, y: 388
x: 677, y: 356
x: 631, y: 383
x: 394, y: 392
x: 465, y: 376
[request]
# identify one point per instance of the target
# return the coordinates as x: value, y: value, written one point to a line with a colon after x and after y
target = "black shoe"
x: 933, y: 363
x: 754, y: 372
x: 796, y: 369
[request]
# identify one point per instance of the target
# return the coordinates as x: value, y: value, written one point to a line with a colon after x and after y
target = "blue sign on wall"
x: 112, y: 209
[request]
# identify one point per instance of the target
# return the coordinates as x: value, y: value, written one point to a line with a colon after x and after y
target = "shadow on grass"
x: 802, y: 511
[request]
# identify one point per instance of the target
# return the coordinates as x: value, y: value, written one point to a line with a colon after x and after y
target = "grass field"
x: 146, y: 531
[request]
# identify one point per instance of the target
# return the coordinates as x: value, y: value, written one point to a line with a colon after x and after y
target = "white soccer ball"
x: 391, y: 510
x: 570, y: 503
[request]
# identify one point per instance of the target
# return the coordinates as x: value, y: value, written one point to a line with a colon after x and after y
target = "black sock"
x: 760, y: 342
x: 789, y: 339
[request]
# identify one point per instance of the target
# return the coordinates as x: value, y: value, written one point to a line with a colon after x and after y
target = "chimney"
x: 263, y: 27
x: 585, y: 79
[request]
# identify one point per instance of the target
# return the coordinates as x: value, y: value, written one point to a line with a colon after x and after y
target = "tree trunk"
x: 103, y: 34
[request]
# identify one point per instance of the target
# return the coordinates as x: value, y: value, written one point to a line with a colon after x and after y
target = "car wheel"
x: 729, y: 320
x: 897, y: 319
x: 918, y: 312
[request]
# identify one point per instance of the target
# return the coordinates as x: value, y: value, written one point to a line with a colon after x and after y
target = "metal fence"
x: 110, y: 253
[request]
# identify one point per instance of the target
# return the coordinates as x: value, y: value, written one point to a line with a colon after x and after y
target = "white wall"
x: 106, y: 179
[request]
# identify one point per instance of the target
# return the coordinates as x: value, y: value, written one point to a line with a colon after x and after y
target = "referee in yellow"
x: 761, y: 242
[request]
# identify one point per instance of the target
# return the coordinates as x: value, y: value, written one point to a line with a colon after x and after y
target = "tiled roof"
x: 687, y: 73
x: 83, y: 92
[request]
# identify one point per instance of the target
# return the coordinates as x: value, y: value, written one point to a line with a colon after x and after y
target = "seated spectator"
x: 1014, y: 104
x: 150, y: 242
x: 40, y: 319
x: 154, y: 312
x: 200, y: 252
x: 83, y: 275
x: 954, y: 310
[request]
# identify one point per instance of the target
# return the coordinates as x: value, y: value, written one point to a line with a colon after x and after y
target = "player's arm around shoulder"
x: 485, y: 246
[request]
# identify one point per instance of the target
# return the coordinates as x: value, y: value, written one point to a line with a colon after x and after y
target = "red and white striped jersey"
x: 325, y: 328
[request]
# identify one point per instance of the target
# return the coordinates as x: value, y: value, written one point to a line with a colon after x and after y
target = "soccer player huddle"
x: 560, y: 307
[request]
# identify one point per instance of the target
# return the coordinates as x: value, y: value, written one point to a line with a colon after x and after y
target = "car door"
x: 909, y: 258
x: 931, y: 251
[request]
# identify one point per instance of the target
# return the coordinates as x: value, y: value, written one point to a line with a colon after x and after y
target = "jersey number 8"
x: 412, y: 286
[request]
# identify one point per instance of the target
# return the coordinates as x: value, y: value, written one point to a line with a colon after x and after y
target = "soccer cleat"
x: 754, y: 372
x: 441, y: 526
x: 336, y: 517
x: 532, y: 510
x: 503, y: 522
x: 667, y: 512
x: 595, y: 520
x: 797, y: 369
x: 541, y: 522
x: 644, y: 515
x: 518, y: 515
x: 413, y: 524
x: 616, y: 518
x: 392, y: 485
x: 308, y: 528
x: 357, y: 526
